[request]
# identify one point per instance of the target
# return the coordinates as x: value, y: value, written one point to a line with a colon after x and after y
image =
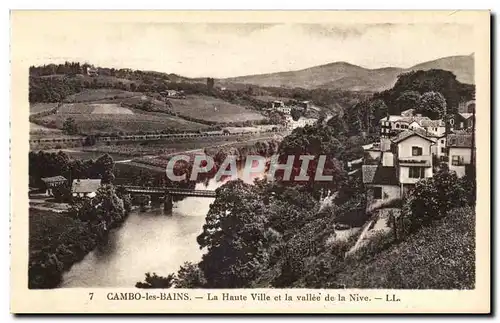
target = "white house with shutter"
x: 459, y: 152
x: 413, y: 153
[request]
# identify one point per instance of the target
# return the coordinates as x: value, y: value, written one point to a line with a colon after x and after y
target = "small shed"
x: 85, y: 187
x: 53, y: 181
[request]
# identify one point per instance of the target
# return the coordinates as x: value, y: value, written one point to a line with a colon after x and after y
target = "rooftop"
x: 459, y: 140
x: 410, y: 133
x: 465, y: 115
x: 381, y: 175
x: 432, y: 123
x: 53, y: 179
x: 85, y: 185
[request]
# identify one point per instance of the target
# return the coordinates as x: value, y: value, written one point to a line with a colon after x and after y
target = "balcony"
x: 416, y: 161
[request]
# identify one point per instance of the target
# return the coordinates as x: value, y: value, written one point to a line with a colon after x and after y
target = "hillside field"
x: 212, y: 109
x: 90, y: 95
x: 105, y: 123
x: 40, y: 107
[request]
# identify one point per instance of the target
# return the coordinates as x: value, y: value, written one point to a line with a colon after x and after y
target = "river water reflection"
x: 147, y: 242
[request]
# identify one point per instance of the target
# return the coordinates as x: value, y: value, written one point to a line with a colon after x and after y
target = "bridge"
x: 169, y: 190
x: 167, y: 193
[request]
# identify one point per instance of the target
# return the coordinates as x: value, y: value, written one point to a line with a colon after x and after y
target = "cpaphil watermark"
x: 303, y: 168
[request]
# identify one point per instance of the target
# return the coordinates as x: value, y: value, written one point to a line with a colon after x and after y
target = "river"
x: 147, y: 242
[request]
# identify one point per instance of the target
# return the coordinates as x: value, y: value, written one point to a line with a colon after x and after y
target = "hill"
x: 349, y: 77
x: 440, y: 256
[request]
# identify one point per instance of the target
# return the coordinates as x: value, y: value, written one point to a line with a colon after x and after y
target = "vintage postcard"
x: 250, y: 162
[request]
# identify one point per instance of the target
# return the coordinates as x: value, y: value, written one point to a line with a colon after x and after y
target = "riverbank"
x: 58, y: 240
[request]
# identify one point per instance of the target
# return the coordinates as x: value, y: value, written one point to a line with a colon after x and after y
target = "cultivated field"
x: 40, y: 107
x: 91, y: 123
x: 90, y: 95
x: 34, y: 128
x: 212, y: 109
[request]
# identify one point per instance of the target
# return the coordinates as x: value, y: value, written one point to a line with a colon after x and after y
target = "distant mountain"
x: 345, y: 76
x: 461, y: 66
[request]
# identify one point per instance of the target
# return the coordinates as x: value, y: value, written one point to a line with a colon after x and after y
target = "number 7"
x: 91, y: 295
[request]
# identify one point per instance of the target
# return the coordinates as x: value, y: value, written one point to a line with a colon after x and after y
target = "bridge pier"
x: 168, y: 203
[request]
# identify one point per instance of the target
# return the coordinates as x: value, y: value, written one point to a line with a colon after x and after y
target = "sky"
x: 226, y: 49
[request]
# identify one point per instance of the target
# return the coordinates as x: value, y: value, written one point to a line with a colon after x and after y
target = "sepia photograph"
x: 328, y: 154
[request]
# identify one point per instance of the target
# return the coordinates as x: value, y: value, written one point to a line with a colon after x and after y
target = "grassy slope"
x: 88, y: 95
x: 139, y: 121
x: 212, y: 109
x: 441, y: 256
x: 39, y: 107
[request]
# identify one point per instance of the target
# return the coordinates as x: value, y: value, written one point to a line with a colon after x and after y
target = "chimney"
x: 385, y: 144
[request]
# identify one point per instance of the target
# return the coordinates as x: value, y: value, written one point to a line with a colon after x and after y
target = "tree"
x: 276, y: 117
x: 432, y: 105
x: 70, y: 127
x: 62, y: 193
x: 296, y: 114
x: 189, y: 276
x: 155, y: 281
x: 235, y: 237
x: 432, y: 198
x: 407, y: 100
x: 104, y: 167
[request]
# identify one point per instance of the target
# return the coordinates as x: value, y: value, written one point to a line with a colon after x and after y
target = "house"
x: 52, y: 182
x: 459, y: 152
x: 381, y: 183
x: 173, y: 94
x: 85, y: 187
x: 300, y: 123
x: 413, y: 154
x: 467, y: 106
x: 439, y: 148
x: 92, y: 71
x: 281, y: 107
x: 463, y: 121
x: 434, y: 127
x: 372, y: 150
x: 393, y: 124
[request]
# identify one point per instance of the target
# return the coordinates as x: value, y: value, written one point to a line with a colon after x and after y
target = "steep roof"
x: 408, y: 112
x: 459, y: 140
x: 391, y: 118
x: 85, y: 185
x: 432, y: 123
x: 407, y: 119
x: 381, y: 175
x: 410, y: 133
x: 53, y: 179
x: 418, y: 120
x: 465, y: 115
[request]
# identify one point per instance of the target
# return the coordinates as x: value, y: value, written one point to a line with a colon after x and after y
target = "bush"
x: 432, y: 198
x: 155, y: 281
x: 441, y: 256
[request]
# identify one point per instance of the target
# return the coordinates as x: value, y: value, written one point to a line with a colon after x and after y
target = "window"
x: 417, y: 172
x: 416, y: 151
x: 443, y: 150
x: 397, y: 125
x: 457, y: 160
x: 377, y: 193
x: 442, y: 141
